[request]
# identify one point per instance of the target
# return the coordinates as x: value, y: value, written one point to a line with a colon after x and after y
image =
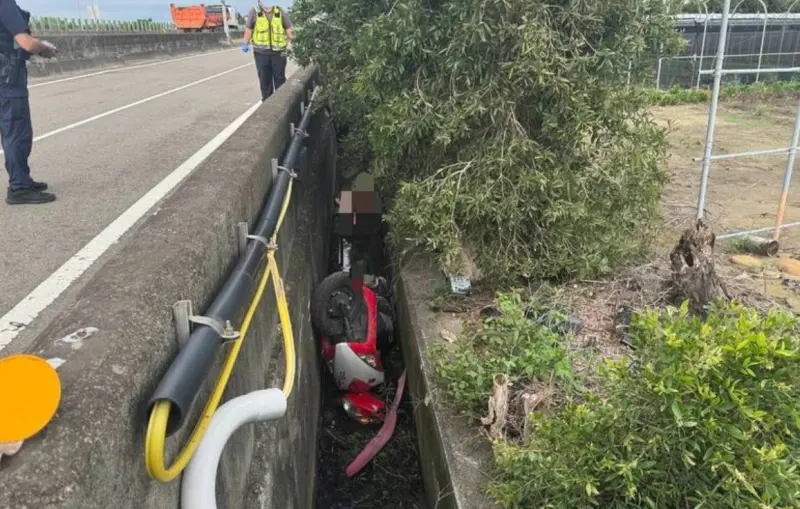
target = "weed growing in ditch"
x: 513, y: 342
x: 706, y: 415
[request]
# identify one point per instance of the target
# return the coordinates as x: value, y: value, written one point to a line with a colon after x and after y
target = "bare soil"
x: 743, y: 194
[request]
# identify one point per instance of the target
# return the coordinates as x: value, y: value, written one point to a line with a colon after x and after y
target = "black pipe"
x: 182, y: 382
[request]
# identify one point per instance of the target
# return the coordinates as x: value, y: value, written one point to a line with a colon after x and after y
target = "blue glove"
x: 245, y: 48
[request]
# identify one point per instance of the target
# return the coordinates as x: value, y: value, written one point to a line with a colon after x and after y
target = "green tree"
x: 503, y: 125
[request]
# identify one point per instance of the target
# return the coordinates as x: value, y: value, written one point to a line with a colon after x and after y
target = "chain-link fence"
x: 66, y: 25
x: 754, y: 41
x: 685, y: 71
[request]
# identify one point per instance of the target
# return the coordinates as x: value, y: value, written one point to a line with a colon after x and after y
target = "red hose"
x: 382, y: 438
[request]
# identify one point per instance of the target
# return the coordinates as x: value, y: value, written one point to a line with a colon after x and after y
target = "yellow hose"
x: 283, y: 306
x: 286, y: 326
x: 284, y: 208
x: 159, y: 418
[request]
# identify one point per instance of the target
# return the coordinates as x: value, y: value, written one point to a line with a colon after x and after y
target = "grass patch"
x: 676, y: 96
x: 740, y: 245
x: 516, y: 340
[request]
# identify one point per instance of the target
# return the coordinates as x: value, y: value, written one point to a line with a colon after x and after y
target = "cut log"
x: 530, y: 402
x: 495, y: 422
x: 693, y: 275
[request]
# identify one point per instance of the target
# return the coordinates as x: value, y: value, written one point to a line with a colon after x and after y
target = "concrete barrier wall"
x: 455, y: 458
x: 90, y: 51
x: 92, y: 455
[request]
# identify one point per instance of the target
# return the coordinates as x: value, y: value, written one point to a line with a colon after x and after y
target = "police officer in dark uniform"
x: 16, y: 47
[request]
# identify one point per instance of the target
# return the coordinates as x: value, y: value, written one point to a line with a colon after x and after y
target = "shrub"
x: 705, y: 416
x: 675, y: 96
x: 505, y: 126
x: 512, y: 343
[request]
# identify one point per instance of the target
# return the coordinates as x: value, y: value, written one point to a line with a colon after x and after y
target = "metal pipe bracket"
x: 224, y: 331
x: 293, y: 130
x: 261, y: 239
x: 291, y: 172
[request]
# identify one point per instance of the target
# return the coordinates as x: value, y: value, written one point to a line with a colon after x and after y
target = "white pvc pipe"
x: 198, y: 489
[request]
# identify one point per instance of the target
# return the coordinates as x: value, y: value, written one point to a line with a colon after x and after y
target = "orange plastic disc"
x: 30, y: 392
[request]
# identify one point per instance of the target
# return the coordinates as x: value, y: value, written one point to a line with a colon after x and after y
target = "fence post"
x: 702, y: 48
x: 658, y: 73
x: 787, y: 177
x: 712, y: 114
x: 763, y: 38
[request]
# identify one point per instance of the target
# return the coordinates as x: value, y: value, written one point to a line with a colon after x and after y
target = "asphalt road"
x: 102, y: 142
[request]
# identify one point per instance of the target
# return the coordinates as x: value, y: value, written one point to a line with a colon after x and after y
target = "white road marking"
x: 51, y: 288
x: 131, y: 105
x: 126, y: 68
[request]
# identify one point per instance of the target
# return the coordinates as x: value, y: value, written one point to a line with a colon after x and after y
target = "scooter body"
x: 356, y: 366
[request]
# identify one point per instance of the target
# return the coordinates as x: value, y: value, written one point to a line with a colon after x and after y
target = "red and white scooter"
x: 353, y: 314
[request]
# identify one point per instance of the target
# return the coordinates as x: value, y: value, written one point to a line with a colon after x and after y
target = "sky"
x: 124, y: 9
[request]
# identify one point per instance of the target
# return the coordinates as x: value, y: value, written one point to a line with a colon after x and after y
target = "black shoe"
x: 37, y: 186
x: 28, y: 197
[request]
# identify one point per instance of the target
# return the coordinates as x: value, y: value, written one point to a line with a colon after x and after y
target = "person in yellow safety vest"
x: 269, y: 30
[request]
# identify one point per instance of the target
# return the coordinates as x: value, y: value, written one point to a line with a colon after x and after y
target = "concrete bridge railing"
x: 84, y: 51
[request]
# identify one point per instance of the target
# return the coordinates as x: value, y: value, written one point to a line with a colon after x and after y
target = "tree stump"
x: 693, y: 275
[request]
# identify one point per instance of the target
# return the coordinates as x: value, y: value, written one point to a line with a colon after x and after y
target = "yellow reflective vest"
x: 269, y: 34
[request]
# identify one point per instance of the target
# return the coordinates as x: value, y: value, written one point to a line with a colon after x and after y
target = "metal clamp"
x: 261, y: 239
x: 184, y: 318
x: 295, y: 130
x: 292, y: 173
x: 224, y: 331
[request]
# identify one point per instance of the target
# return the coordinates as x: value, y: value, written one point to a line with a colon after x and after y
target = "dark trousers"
x: 271, y: 72
x: 16, y: 132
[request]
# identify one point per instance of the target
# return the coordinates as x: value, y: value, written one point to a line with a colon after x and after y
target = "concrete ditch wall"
x: 92, y: 455
x: 454, y: 456
x: 79, y: 52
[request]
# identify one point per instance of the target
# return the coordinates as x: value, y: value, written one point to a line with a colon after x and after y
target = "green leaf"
x: 676, y: 411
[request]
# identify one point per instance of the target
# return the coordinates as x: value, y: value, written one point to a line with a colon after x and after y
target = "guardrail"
x: 66, y: 25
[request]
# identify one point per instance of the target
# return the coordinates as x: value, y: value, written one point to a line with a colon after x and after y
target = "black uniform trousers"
x: 16, y: 132
x: 271, y: 66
